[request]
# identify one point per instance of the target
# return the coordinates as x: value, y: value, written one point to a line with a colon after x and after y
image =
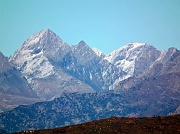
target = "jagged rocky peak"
x: 45, y: 55
x: 42, y: 60
x: 44, y: 43
x: 47, y: 31
x: 123, y: 52
x: 129, y: 52
x: 128, y: 48
x: 168, y: 62
x: 82, y: 47
x: 171, y: 54
x: 32, y: 56
x: 44, y: 33
x: 83, y: 52
x: 82, y: 44
x: 172, y: 50
x: 133, y: 58
x: 43, y: 40
x: 133, y: 45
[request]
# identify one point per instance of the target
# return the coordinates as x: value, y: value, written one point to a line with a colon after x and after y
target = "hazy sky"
x: 104, y: 24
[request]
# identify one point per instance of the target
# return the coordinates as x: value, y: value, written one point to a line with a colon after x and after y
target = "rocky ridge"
x: 52, y: 67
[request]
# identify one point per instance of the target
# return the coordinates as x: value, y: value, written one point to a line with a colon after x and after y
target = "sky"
x: 104, y: 24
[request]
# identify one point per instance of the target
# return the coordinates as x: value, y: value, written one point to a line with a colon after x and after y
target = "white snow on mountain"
x: 124, y: 52
x: 38, y: 60
x: 133, y: 59
x: 125, y: 57
x: 97, y: 52
x: 45, y: 57
x: 31, y: 59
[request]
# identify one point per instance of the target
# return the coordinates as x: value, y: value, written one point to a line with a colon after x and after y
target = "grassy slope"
x: 145, y: 125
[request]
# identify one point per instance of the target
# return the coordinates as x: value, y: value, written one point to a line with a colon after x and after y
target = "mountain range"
x: 77, y: 83
x: 52, y: 67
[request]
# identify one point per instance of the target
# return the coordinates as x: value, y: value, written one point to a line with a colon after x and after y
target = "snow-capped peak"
x: 47, y: 31
x: 124, y: 51
x: 44, y: 54
x: 43, y: 37
x: 127, y: 57
x: 36, y: 52
x: 131, y: 46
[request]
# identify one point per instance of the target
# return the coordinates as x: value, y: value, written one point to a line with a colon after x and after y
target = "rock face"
x: 14, y: 89
x: 52, y: 67
x: 134, y: 58
x: 41, y: 59
x: 164, y: 67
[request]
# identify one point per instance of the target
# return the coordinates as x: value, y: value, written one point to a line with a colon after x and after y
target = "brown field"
x: 124, y: 125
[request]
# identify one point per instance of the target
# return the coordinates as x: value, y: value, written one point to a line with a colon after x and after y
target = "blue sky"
x: 104, y: 24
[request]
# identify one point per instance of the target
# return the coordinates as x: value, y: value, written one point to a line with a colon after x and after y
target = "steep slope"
x: 13, y: 86
x: 52, y: 67
x: 159, y: 82
x: 166, y: 65
x: 82, y: 63
x: 168, y: 62
x: 40, y: 58
x: 133, y: 58
x: 91, y: 68
x: 34, y: 57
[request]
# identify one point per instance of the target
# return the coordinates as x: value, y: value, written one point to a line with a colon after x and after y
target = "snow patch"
x: 97, y: 52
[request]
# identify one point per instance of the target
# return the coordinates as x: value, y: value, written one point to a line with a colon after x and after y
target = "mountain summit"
x: 52, y: 67
x: 40, y: 60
